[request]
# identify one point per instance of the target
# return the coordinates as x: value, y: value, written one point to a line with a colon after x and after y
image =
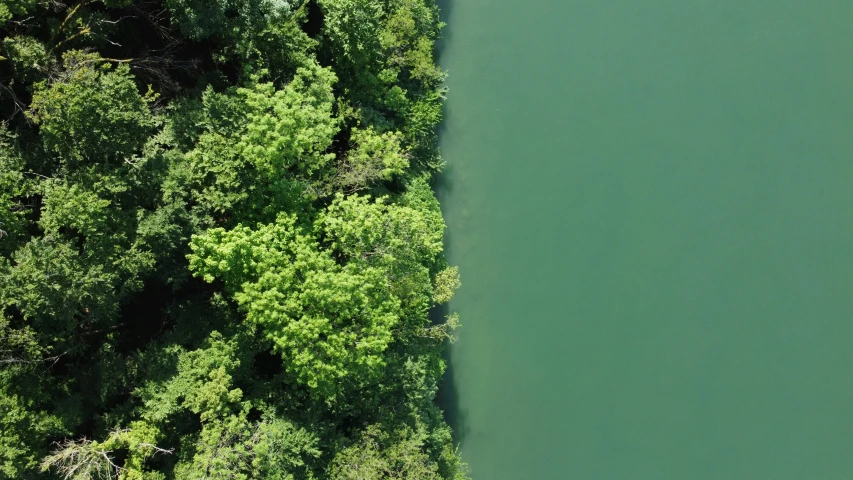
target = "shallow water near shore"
x: 652, y: 207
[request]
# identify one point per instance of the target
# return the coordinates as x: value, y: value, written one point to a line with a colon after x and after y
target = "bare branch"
x: 20, y: 107
x: 84, y: 458
x: 38, y: 175
x: 22, y: 22
x: 157, y: 449
x: 11, y: 359
x: 113, y: 22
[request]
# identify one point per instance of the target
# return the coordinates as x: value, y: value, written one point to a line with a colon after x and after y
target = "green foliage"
x: 229, y: 445
x: 117, y: 3
x: 199, y: 19
x: 254, y: 149
x: 8, y: 8
x: 55, y: 290
x: 24, y: 424
x: 290, y: 128
x: 389, y: 77
x: 373, y: 157
x: 329, y: 322
x: 217, y: 177
x: 282, y: 450
x: 266, y: 34
x: 14, y: 187
x: 365, y: 229
x: 408, y: 37
x: 379, y: 455
x: 445, y: 284
x: 86, y: 459
x: 236, y: 448
x: 269, y: 38
x: 227, y: 273
x: 19, y: 345
x: 92, y: 254
x: 92, y: 112
x: 350, y: 26
x: 403, y: 242
x: 73, y: 206
x: 28, y: 57
x: 202, y: 385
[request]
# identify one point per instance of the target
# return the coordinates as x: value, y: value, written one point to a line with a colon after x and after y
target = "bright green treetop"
x: 329, y: 322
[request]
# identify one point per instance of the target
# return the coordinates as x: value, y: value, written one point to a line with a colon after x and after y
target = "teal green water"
x: 652, y: 206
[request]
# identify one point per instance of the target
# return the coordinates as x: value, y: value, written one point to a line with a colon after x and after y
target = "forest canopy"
x: 220, y: 253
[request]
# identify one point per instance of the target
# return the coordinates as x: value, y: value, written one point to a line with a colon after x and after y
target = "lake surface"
x: 651, y: 203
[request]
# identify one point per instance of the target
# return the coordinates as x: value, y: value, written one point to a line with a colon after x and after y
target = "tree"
x: 229, y: 444
x: 203, y: 383
x: 408, y: 37
x: 402, y: 242
x: 28, y: 56
x: 234, y: 447
x: 373, y: 157
x: 445, y: 284
x: 56, y: 291
x: 255, y: 148
x: 93, y: 112
x: 383, y: 51
x: 26, y: 420
x: 290, y: 128
x: 200, y: 19
x: 329, y: 322
x: 363, y: 229
x: 379, y: 455
x: 86, y: 459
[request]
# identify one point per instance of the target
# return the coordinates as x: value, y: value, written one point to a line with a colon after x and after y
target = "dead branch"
x: 20, y: 107
x: 157, y: 449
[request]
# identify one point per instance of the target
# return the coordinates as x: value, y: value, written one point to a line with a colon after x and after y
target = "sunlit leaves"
x: 329, y: 322
x: 380, y: 456
x: 373, y: 157
x: 291, y: 127
x: 445, y: 284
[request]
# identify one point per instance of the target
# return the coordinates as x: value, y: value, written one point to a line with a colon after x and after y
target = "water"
x: 652, y: 206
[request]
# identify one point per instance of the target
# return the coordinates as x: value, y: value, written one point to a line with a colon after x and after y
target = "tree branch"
x: 20, y: 107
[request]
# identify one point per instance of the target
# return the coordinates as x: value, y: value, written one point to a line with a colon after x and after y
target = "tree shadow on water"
x: 445, y: 8
x: 442, y: 183
x: 448, y: 401
x: 448, y: 393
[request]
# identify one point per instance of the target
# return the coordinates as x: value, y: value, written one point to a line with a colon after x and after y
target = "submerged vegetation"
x: 219, y: 247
